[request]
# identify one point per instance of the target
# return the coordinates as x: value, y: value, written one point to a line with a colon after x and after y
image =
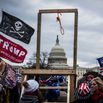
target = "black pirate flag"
x: 16, y: 28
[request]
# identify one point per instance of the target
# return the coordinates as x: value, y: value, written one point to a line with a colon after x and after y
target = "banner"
x: 100, y: 61
x: 11, y: 51
x: 16, y: 28
x: 10, y: 77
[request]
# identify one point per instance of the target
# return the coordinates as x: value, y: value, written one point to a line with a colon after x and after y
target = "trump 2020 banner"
x: 16, y: 28
x: 11, y: 51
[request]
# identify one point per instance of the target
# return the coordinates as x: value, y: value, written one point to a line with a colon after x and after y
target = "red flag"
x: 11, y: 51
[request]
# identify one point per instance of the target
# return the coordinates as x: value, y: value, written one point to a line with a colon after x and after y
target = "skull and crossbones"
x: 18, y: 26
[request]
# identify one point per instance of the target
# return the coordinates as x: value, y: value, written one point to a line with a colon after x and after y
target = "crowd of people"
x: 9, y: 84
x: 11, y: 87
x: 89, y: 88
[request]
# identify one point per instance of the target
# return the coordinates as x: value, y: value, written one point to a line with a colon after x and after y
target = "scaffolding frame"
x: 70, y: 72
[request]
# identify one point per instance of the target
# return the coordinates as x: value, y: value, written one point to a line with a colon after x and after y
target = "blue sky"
x: 90, y: 26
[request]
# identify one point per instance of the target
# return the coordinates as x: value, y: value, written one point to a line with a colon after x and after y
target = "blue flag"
x: 100, y: 61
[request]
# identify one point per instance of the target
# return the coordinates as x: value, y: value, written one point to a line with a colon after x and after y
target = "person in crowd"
x: 2, y: 89
x: 31, y: 93
x: 53, y: 94
x: 97, y: 85
x: 8, y: 81
x: 92, y: 74
x: 84, y: 91
x: 87, y: 77
x: 90, y: 88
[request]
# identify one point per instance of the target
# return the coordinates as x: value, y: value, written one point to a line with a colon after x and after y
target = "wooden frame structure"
x: 72, y: 72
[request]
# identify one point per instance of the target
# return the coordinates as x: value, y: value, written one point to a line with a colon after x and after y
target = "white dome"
x: 57, y: 48
x: 57, y: 58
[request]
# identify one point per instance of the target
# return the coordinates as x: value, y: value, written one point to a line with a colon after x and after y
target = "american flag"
x: 10, y: 78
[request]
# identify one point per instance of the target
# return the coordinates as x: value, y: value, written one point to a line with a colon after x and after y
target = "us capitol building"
x: 57, y: 60
x: 57, y: 57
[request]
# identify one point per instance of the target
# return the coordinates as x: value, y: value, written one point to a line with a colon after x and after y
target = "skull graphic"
x: 18, y: 25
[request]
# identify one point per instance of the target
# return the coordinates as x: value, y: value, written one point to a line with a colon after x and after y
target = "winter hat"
x: 83, y: 91
x: 32, y: 86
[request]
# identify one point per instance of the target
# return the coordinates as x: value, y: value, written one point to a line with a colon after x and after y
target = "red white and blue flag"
x: 10, y: 77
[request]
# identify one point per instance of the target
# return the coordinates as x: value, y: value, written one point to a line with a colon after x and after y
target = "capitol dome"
x: 57, y: 57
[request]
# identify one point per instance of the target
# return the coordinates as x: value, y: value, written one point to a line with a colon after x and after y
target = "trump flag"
x: 11, y: 51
